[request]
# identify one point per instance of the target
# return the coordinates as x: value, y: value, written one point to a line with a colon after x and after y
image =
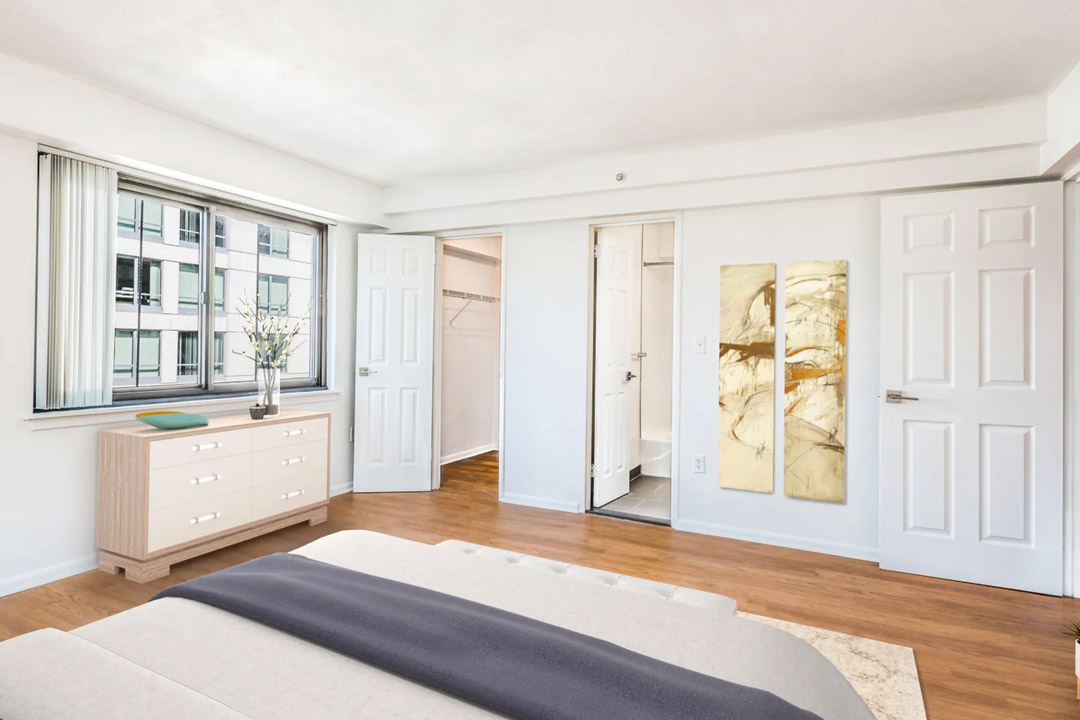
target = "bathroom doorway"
x: 633, y: 323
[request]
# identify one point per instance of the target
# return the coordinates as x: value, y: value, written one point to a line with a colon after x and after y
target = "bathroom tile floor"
x: 649, y: 498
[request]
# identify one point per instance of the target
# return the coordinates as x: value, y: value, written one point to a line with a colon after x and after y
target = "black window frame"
x: 204, y: 385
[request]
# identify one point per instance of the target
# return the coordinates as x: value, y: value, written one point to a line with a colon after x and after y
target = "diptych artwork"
x: 814, y: 371
x: 747, y: 366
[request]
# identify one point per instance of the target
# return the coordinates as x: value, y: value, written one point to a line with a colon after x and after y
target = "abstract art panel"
x: 747, y: 367
x: 814, y: 373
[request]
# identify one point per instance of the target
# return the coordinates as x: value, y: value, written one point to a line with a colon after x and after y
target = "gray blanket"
x: 501, y: 661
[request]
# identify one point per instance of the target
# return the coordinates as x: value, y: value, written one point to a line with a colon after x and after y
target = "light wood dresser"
x: 168, y: 495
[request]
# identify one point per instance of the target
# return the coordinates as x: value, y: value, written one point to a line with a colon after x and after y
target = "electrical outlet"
x: 699, y: 463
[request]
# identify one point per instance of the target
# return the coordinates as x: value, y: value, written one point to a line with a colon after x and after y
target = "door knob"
x: 630, y: 376
x: 364, y: 372
x: 897, y: 396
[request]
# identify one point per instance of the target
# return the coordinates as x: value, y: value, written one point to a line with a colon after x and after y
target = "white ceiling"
x: 387, y: 90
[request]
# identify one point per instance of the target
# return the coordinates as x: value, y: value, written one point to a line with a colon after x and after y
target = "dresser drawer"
x: 288, y: 433
x: 197, y: 480
x: 287, y: 462
x: 288, y: 494
x: 192, y: 448
x: 183, y: 523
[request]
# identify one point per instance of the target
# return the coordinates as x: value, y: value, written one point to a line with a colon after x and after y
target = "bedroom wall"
x: 48, y: 474
x: 546, y: 295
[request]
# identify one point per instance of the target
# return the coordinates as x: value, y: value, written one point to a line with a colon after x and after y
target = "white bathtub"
x: 655, y: 457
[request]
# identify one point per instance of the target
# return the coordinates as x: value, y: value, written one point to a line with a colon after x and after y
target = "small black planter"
x: 258, y: 412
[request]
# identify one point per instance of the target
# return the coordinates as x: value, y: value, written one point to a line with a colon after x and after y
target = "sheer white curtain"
x: 77, y: 283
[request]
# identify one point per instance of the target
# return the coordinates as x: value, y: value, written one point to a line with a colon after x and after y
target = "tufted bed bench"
x: 177, y: 658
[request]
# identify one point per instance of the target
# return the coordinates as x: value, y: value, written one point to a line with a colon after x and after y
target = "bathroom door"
x: 612, y: 401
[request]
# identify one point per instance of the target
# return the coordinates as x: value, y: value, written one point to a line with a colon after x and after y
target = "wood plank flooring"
x: 981, y: 652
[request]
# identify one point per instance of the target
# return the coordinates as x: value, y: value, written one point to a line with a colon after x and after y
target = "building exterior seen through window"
x: 162, y: 284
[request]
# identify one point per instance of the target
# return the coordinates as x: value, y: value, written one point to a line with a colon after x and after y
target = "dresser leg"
x: 318, y: 518
x: 108, y: 566
x: 146, y: 572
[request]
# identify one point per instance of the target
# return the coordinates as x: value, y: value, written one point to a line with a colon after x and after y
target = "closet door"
x: 395, y: 338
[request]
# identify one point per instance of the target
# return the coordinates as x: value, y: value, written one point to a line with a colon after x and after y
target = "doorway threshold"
x: 622, y: 515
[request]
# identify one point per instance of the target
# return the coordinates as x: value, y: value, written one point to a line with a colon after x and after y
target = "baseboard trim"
x: 466, y: 454
x: 540, y: 502
x: 44, y: 575
x: 340, y: 489
x: 796, y: 542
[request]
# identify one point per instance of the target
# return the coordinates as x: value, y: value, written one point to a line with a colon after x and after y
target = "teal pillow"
x: 174, y: 421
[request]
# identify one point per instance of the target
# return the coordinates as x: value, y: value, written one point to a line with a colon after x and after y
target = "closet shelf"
x: 470, y: 254
x: 469, y: 296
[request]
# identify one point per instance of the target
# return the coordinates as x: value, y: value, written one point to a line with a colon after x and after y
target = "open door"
x: 971, y: 380
x: 395, y: 314
x: 613, y: 370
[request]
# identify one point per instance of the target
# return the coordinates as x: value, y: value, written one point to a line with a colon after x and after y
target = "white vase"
x: 269, y: 390
x: 1076, y: 645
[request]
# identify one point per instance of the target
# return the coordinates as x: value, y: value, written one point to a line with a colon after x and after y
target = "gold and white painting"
x: 815, y: 323
x: 747, y: 366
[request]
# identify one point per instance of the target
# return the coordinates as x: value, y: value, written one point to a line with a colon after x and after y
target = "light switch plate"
x: 699, y: 345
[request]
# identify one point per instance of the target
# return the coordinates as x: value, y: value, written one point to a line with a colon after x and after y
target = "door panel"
x: 971, y: 326
x: 612, y: 387
x: 395, y: 363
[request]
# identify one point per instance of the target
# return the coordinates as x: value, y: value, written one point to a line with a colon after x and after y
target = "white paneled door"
x: 614, y: 372
x: 971, y: 385
x: 395, y: 311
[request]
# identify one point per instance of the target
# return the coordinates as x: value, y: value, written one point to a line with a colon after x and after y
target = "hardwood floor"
x: 981, y: 652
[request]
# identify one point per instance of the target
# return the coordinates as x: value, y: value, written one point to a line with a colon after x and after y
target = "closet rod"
x: 469, y: 296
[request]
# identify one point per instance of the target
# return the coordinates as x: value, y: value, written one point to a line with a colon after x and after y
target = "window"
x: 273, y: 241
x: 189, y: 286
x: 166, y: 261
x: 189, y: 226
x: 273, y: 294
x: 219, y: 354
x: 219, y: 289
x: 129, y: 344
x: 219, y: 231
x: 125, y: 279
x: 150, y: 283
x: 187, y: 354
x: 153, y: 219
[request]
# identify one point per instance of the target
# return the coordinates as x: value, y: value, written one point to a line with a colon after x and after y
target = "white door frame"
x: 676, y: 342
x: 436, y: 406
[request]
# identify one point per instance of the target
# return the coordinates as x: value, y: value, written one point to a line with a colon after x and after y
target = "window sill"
x: 116, y: 414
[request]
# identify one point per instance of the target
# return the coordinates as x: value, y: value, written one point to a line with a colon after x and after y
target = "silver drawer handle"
x: 293, y: 461
x: 291, y: 495
x: 204, y: 518
x: 206, y: 446
x: 205, y: 479
x: 292, y: 433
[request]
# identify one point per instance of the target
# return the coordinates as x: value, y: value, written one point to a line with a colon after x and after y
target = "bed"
x: 198, y: 661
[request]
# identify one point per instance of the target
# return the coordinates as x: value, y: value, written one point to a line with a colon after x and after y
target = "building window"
x: 219, y: 231
x: 152, y: 220
x: 189, y: 286
x: 127, y: 214
x: 187, y: 353
x: 189, y: 226
x: 219, y: 289
x: 273, y: 241
x: 123, y: 354
x: 150, y: 283
x: 129, y: 345
x: 125, y: 279
x: 273, y: 294
x: 219, y: 354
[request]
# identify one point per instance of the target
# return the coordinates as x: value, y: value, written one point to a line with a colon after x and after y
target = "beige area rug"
x: 883, y: 674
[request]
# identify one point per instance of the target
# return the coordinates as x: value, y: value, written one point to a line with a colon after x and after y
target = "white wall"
x: 49, y: 469
x: 842, y: 229
x: 546, y: 297
x: 470, y: 352
x: 546, y: 326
